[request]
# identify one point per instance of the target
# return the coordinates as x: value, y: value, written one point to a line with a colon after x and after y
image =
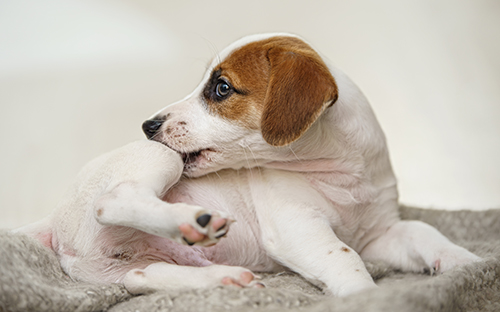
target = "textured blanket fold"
x: 31, y: 280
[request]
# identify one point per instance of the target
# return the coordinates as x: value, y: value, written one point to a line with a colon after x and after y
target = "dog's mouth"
x: 190, y: 158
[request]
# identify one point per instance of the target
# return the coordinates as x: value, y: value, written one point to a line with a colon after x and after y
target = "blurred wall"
x: 77, y: 78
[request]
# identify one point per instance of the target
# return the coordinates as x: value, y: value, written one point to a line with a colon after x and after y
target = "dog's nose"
x: 151, y: 127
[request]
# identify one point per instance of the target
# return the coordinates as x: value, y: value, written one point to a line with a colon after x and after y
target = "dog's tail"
x: 40, y: 230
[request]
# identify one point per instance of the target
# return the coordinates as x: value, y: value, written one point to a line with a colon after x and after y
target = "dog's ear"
x: 300, y: 89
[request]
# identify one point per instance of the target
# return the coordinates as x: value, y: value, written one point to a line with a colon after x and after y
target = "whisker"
x: 247, y: 160
x: 294, y: 153
x: 246, y: 156
x: 254, y: 158
x: 155, y: 135
x: 215, y: 52
x: 218, y: 175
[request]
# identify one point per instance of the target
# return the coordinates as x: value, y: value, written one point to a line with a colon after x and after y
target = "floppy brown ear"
x: 300, y: 88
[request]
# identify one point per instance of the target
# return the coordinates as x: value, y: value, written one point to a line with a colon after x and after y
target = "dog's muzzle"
x: 151, y: 127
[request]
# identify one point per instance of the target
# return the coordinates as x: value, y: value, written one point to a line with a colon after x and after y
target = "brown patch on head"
x: 345, y: 249
x: 246, y: 70
x: 99, y: 212
x: 279, y: 85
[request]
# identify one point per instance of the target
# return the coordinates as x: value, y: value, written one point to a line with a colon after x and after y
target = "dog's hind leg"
x: 417, y: 247
x: 133, y: 205
x: 297, y: 233
x: 166, y: 276
x: 142, y: 172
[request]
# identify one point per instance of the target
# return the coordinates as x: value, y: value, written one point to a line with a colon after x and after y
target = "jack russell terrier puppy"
x: 272, y: 138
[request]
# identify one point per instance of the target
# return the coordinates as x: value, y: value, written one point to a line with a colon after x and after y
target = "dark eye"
x: 222, y: 89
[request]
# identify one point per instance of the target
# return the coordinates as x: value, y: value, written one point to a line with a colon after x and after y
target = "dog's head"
x: 259, y: 96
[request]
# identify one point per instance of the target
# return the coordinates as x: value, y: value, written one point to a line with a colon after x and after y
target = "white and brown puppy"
x: 272, y: 138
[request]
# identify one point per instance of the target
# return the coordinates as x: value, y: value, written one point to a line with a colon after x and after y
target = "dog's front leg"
x: 296, y: 232
x: 166, y: 276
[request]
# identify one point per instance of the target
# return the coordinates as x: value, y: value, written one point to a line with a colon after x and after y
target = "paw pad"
x: 203, y: 220
x: 213, y: 227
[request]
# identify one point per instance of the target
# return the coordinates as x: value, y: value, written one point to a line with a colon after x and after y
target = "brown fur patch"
x: 247, y: 70
x: 283, y: 86
x: 345, y: 249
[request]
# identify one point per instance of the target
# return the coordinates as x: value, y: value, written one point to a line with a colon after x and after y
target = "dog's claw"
x: 435, y: 268
x: 221, y: 227
x: 188, y: 242
x: 221, y: 235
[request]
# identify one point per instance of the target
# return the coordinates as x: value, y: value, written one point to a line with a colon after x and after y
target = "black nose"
x: 151, y: 127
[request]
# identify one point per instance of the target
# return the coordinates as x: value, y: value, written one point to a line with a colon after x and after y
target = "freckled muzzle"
x: 151, y: 127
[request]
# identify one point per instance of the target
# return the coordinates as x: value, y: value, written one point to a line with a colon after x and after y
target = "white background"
x: 77, y: 79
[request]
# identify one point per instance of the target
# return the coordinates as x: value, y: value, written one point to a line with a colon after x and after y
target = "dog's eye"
x: 222, y: 89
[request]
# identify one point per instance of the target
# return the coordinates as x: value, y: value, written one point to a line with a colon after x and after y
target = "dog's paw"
x: 450, y: 258
x: 213, y: 225
x: 233, y: 276
x: 243, y: 280
x: 165, y: 276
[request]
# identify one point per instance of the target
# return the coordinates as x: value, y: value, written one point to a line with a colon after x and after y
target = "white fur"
x: 312, y: 206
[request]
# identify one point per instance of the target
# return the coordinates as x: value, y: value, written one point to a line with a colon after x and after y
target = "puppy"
x: 272, y: 138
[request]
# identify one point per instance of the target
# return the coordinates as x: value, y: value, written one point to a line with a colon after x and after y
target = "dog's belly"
x: 355, y: 218
x: 227, y: 191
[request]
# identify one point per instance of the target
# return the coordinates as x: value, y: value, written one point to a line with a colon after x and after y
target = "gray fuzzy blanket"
x: 31, y: 280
